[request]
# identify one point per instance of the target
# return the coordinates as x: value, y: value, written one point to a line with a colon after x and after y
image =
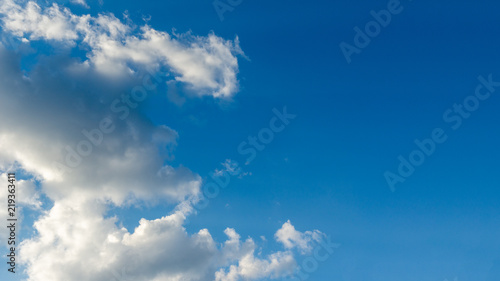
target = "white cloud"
x: 245, y: 265
x: 44, y: 112
x: 230, y: 167
x: 52, y: 23
x: 208, y: 65
x: 292, y: 238
x: 127, y: 167
x: 74, y: 236
x: 127, y: 160
x: 80, y: 2
x: 277, y: 265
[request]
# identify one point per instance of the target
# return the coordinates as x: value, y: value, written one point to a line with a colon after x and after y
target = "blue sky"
x: 325, y: 170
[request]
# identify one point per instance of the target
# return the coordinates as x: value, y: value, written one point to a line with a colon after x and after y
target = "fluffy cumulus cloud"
x: 291, y: 238
x: 79, y: 139
x: 208, y: 65
x: 56, y: 120
x: 74, y: 236
x: 250, y: 267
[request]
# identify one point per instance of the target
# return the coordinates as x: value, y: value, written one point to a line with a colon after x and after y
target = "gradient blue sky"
x: 325, y: 171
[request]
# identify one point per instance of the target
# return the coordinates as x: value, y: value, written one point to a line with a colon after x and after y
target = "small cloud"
x: 291, y: 238
x: 231, y: 167
x: 81, y: 2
